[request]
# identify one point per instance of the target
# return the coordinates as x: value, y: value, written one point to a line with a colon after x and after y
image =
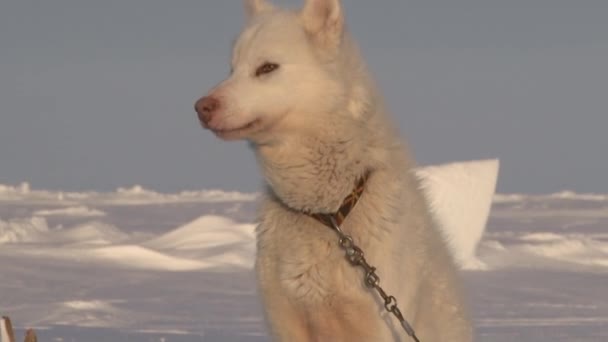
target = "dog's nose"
x: 205, y: 107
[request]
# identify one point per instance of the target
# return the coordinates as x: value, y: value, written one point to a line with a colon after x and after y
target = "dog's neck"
x: 314, y: 169
x: 334, y: 220
x: 312, y: 174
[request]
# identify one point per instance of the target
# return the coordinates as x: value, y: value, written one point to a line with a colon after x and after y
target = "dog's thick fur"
x: 317, y: 125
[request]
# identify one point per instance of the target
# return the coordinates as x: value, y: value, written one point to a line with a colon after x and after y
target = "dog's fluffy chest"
x: 311, y: 266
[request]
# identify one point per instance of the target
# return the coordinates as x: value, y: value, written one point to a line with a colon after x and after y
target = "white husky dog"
x: 300, y: 93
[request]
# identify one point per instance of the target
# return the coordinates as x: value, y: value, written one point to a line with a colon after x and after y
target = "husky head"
x: 288, y: 76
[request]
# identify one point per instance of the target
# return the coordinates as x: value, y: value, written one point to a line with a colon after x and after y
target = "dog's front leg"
x: 286, y: 323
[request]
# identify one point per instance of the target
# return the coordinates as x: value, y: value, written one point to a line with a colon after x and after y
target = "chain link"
x: 355, y: 256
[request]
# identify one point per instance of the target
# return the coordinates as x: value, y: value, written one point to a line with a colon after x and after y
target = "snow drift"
x: 135, y: 195
x: 79, y: 211
x: 205, y: 243
x: 218, y: 240
x: 22, y: 230
x: 460, y: 195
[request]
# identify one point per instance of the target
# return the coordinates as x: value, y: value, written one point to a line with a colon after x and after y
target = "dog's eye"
x: 266, y: 68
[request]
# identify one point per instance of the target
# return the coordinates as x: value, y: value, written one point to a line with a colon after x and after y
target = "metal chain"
x: 355, y: 256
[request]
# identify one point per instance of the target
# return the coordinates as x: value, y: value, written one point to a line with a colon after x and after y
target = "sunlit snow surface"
x: 136, y: 265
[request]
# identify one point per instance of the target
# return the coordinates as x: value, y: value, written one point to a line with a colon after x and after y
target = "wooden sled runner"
x: 7, y: 334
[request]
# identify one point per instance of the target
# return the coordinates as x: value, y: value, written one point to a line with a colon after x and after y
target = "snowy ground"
x: 140, y: 266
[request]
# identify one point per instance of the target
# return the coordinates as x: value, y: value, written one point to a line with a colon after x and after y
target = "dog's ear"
x: 253, y: 7
x: 324, y: 21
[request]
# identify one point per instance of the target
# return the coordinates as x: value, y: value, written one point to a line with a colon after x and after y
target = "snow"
x: 80, y: 211
x: 572, y: 248
x: 135, y: 195
x: 36, y: 230
x: 205, y: 232
x: 22, y: 230
x: 508, y: 198
x: 178, y: 267
x: 460, y: 195
x: 565, y: 195
x: 207, y: 242
x: 137, y: 257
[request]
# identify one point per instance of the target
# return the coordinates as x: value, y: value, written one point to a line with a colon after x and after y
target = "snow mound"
x: 138, y: 257
x: 205, y: 243
x: 23, y: 230
x: 87, y: 313
x: 89, y: 233
x: 22, y: 189
x: 135, y: 195
x: 79, y: 211
x: 542, y: 237
x: 460, y: 195
x: 88, y: 305
x: 565, y: 195
x: 575, y: 248
x: 204, y: 232
x: 219, y: 240
x: 36, y: 230
x: 570, y: 195
x: 508, y: 198
x: 138, y: 194
x: 547, y: 250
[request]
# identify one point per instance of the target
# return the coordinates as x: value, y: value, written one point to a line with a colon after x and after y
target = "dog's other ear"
x: 253, y: 7
x: 324, y: 21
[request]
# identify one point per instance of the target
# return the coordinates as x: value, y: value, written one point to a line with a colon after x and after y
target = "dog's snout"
x: 206, y: 107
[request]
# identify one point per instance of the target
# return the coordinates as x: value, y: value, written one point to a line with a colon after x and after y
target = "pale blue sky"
x: 99, y: 94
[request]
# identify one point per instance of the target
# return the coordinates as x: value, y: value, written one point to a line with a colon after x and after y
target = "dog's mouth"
x: 239, y: 132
